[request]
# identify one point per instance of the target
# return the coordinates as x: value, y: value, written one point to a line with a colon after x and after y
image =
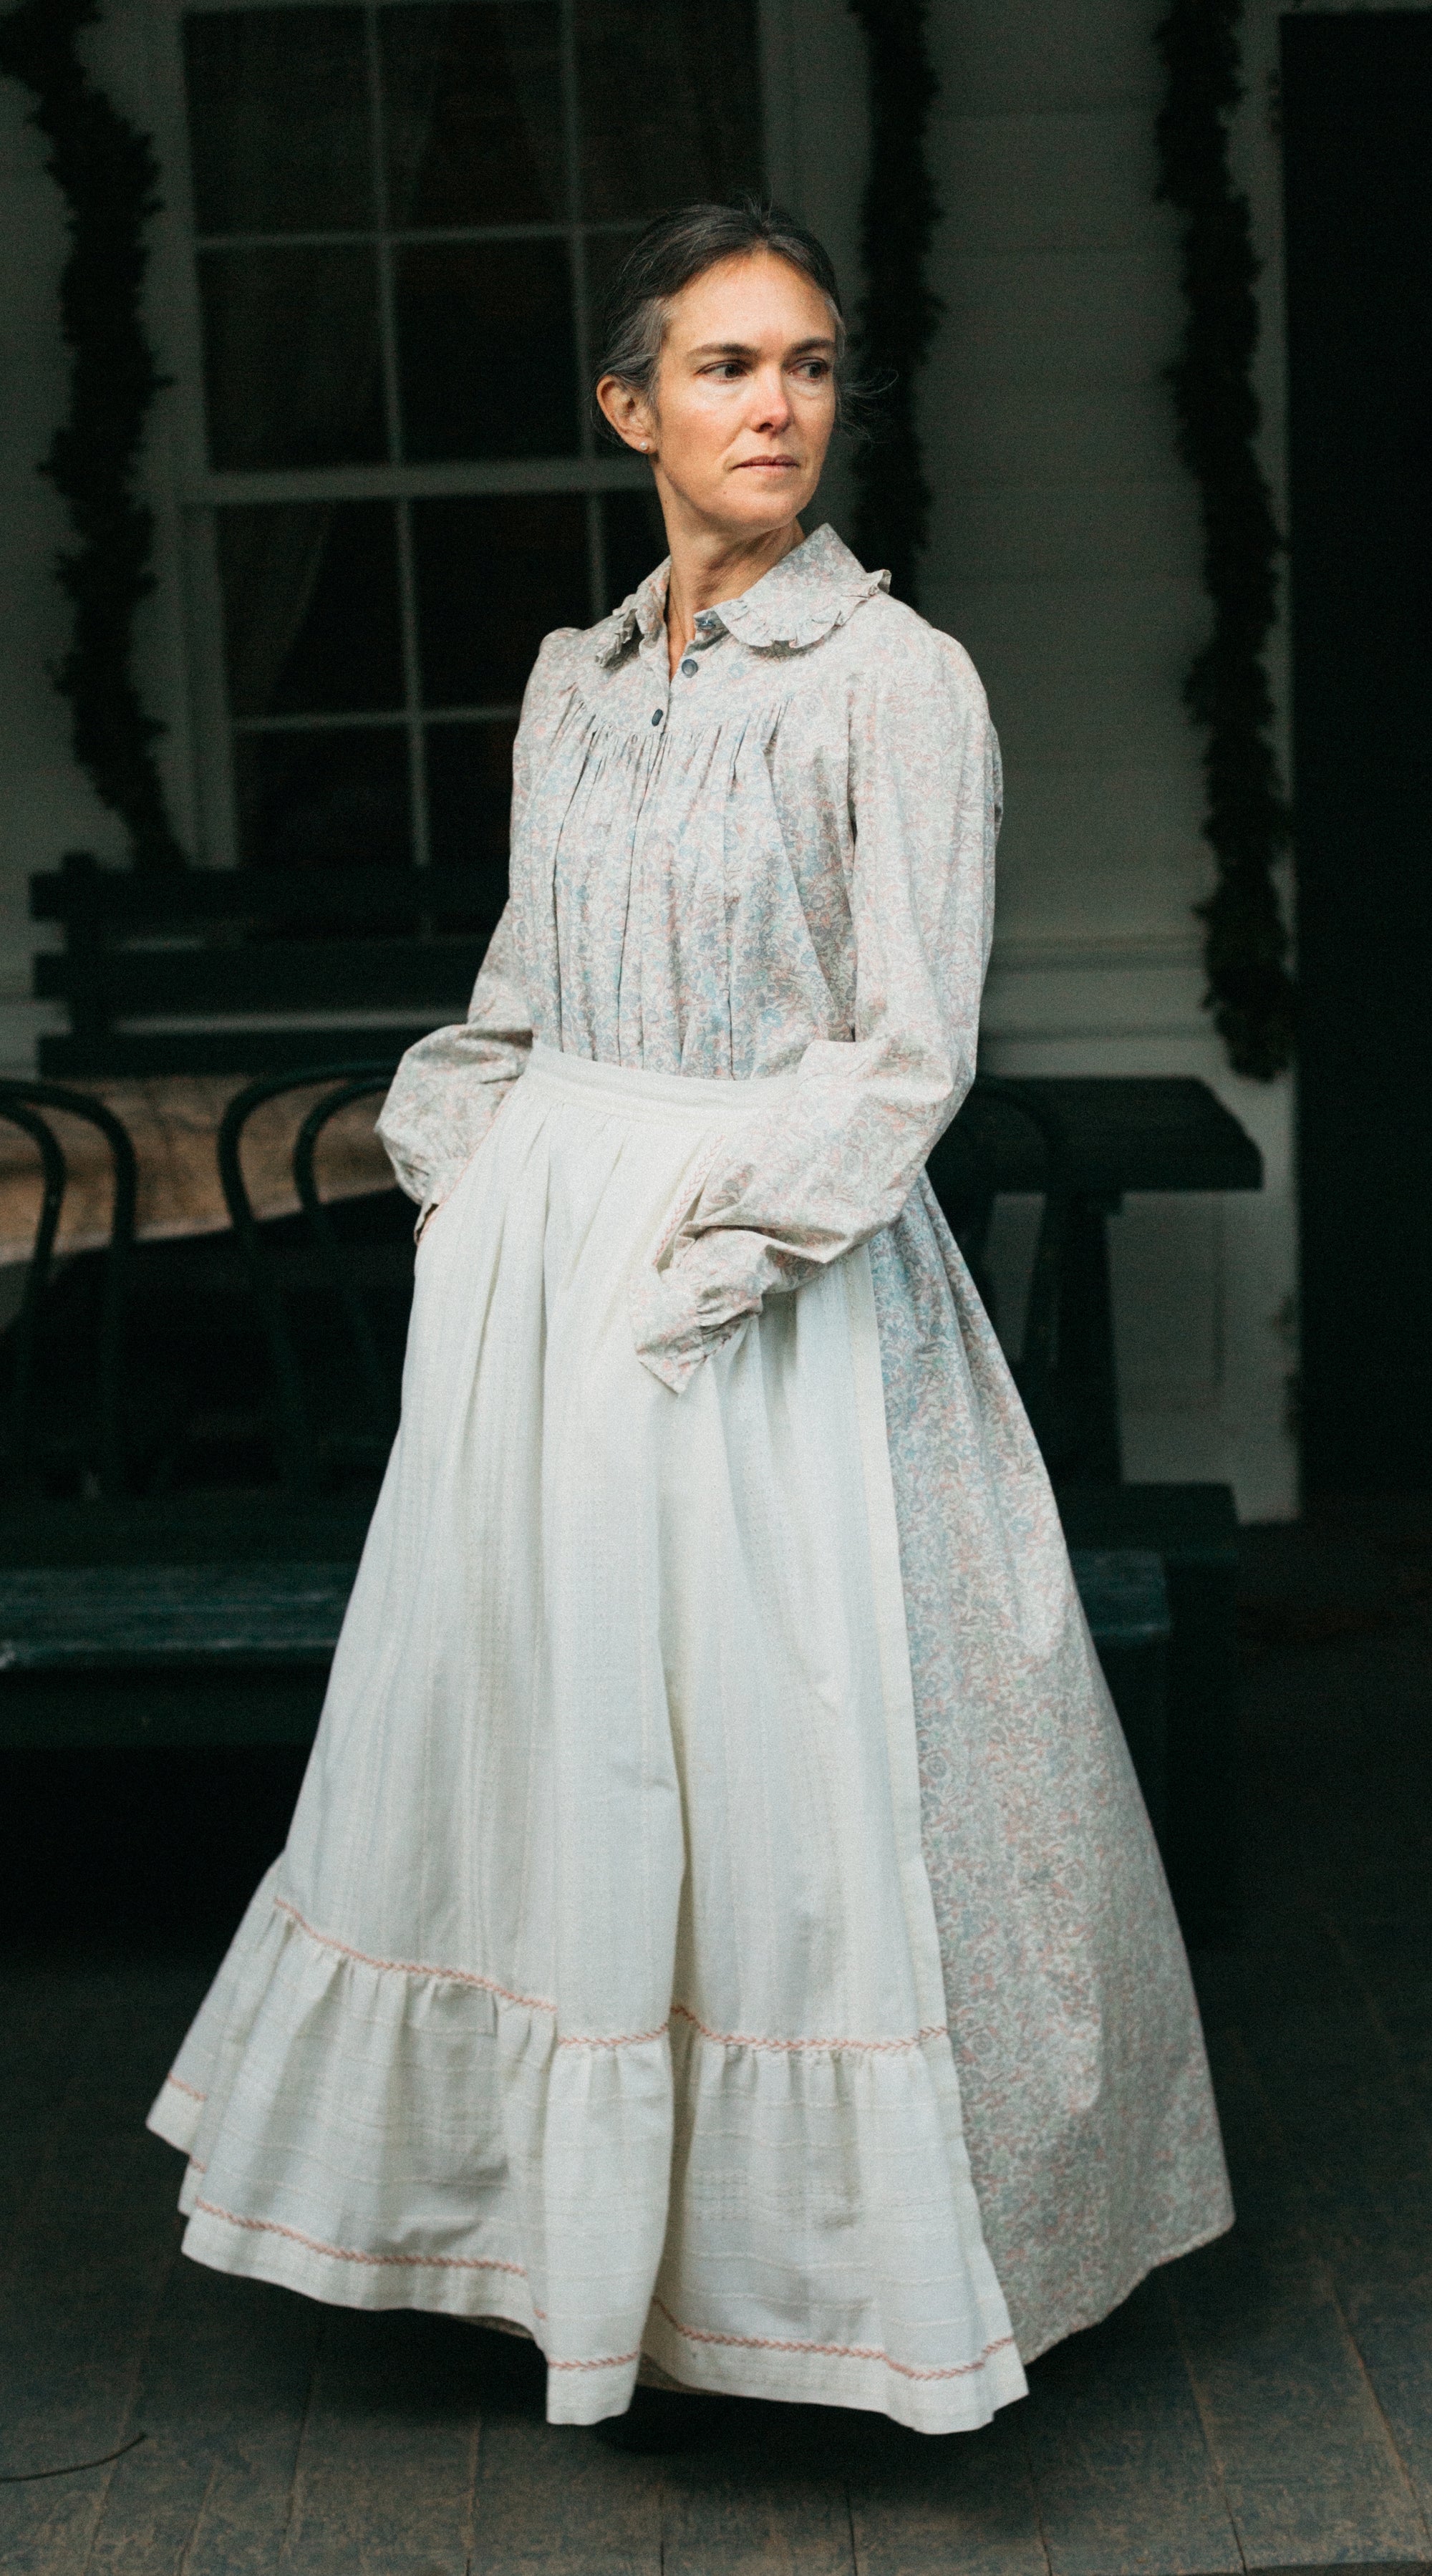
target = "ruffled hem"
x: 763, y: 2219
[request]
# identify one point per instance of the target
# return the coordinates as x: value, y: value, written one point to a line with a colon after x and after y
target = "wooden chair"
x: 138, y: 1619
x: 209, y: 1619
x: 81, y: 1440
x: 301, y: 1289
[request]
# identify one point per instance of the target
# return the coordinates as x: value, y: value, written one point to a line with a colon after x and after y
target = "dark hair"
x: 679, y: 248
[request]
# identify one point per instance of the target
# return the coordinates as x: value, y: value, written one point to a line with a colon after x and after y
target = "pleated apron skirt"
x: 598, y: 1989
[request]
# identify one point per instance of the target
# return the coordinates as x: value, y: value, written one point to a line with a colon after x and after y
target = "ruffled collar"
x: 802, y: 599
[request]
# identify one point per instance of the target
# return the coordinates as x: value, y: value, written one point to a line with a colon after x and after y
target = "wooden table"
x: 173, y: 1124
x: 1124, y: 1132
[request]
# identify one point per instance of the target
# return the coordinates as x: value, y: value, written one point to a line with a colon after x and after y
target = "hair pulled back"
x: 680, y: 247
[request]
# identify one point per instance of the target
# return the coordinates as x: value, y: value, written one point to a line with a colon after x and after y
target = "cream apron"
x: 598, y: 1989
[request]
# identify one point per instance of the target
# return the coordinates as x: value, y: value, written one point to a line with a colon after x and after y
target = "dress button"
x: 656, y: 719
x: 689, y: 670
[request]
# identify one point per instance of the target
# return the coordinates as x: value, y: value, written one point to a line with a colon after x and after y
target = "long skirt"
x: 598, y: 1990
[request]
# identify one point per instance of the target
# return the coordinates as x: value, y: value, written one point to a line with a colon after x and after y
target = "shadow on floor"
x: 1264, y: 2404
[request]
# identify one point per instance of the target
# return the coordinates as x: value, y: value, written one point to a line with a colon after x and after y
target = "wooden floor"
x: 1265, y: 2404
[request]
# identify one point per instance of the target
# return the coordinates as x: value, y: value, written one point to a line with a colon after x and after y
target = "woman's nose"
x: 771, y: 407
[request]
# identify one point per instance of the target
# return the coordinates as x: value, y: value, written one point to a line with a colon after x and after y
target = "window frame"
x: 202, y: 492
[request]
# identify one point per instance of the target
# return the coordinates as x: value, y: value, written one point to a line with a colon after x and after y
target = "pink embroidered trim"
x: 628, y: 2039
x: 625, y: 2039
x: 610, y: 2361
x: 836, y: 2351
x: 181, y: 2087
x: 866, y: 2047
x: 424, y: 2262
x: 411, y: 1967
x: 344, y: 2254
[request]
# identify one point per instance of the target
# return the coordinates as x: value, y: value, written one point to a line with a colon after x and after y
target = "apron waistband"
x: 630, y: 1088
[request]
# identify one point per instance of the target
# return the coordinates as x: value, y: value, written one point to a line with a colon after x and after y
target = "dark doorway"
x: 1357, y: 113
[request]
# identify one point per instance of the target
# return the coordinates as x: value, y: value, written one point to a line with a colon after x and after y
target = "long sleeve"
x: 450, y: 1086
x: 838, y: 1158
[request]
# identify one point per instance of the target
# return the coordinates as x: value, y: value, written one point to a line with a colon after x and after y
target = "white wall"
x: 1064, y: 555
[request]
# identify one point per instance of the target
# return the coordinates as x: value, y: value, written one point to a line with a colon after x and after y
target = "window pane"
x: 494, y: 577
x: 635, y: 541
x: 473, y: 110
x: 291, y: 357
x: 486, y: 358
x: 322, y: 800
x: 470, y: 798
x: 279, y: 120
x: 311, y: 608
x: 669, y: 102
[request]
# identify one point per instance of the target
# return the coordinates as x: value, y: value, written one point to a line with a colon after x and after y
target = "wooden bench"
x: 1194, y: 1531
x: 211, y: 1619
x: 161, y: 1645
x: 192, y: 1622
x: 247, y: 970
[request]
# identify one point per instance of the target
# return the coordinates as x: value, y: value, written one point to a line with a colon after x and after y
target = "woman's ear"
x: 629, y: 414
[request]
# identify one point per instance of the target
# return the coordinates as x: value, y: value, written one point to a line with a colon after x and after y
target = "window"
x: 404, y: 215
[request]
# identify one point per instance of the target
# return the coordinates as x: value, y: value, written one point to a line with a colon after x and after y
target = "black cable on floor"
x: 72, y: 2468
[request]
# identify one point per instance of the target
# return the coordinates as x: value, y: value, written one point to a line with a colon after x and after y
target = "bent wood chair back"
x: 968, y: 1169
x: 327, y: 1267
x: 97, y: 1438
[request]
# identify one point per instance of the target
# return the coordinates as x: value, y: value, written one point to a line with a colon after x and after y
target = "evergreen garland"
x: 107, y: 172
x: 899, y: 212
x: 1250, y: 992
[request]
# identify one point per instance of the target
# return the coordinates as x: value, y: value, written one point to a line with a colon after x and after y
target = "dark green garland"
x: 1250, y: 992
x: 899, y: 313
x: 108, y: 175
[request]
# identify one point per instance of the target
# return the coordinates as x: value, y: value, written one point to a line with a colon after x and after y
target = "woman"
x: 720, y: 1930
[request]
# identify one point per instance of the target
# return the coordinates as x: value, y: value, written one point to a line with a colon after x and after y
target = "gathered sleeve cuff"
x: 449, y: 1087
x: 835, y: 1161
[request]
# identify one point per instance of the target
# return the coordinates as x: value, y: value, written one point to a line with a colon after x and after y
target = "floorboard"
x: 387, y: 2465
x: 552, y: 2499
x: 772, y: 2496
x: 227, y: 2373
x: 1267, y: 2403
x: 964, y: 2502
x: 1308, y: 2465
x: 1121, y: 2469
x: 97, y: 2246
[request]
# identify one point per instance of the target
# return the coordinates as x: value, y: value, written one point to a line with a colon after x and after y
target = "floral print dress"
x: 779, y: 862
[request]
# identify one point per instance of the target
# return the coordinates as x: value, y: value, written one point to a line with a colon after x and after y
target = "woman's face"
x: 745, y: 398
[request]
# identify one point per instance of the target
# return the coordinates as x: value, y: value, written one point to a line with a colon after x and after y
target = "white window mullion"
x: 392, y: 410
x: 593, y: 472
x: 581, y: 297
